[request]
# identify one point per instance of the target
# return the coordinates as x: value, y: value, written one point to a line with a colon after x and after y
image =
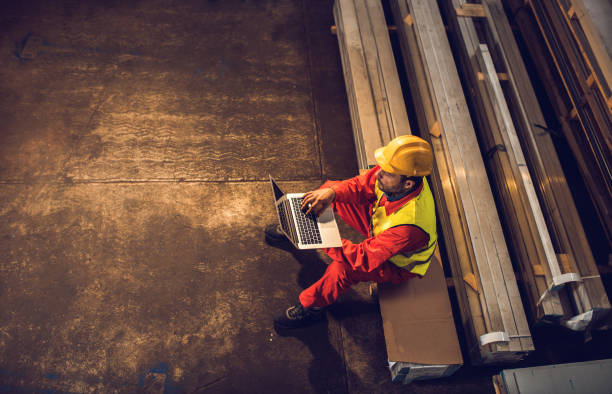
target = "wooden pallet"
x: 491, y: 309
x: 376, y: 103
x: 581, y: 84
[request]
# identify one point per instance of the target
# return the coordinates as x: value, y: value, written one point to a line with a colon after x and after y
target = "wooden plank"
x: 435, y: 130
x: 394, y: 107
x: 591, y: 80
x: 538, y: 270
x: 334, y: 29
x: 470, y: 10
x: 500, y: 76
x: 471, y: 280
x: 408, y: 20
x: 368, y: 31
x: 498, y: 385
x: 573, y: 114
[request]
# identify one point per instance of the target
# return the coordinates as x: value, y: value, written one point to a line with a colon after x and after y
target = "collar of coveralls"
x: 393, y: 204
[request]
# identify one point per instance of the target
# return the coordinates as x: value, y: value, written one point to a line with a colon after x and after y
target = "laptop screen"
x: 278, y: 193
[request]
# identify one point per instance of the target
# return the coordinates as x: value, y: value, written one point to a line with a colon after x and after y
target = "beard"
x: 390, y: 190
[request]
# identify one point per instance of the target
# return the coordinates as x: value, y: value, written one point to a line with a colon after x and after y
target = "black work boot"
x: 274, y: 234
x: 298, y: 317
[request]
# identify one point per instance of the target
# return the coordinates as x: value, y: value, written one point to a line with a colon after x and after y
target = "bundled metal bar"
x: 581, y: 64
x: 492, y: 311
x: 378, y: 115
x: 589, y: 301
x: 376, y: 103
x: 527, y: 231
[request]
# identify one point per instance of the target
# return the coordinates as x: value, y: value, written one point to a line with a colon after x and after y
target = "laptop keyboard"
x: 283, y: 218
x: 307, y: 224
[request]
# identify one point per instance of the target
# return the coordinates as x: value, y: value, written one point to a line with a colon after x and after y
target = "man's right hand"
x: 318, y: 200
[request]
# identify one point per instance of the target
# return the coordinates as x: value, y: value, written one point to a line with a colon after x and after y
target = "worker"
x: 392, y: 206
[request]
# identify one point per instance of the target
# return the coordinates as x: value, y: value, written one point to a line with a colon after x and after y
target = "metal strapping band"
x: 499, y: 336
x: 496, y: 148
x: 558, y: 282
x: 591, y: 277
x: 547, y: 130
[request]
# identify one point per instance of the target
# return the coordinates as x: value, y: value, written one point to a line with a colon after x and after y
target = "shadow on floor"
x: 312, y: 266
x: 327, y: 362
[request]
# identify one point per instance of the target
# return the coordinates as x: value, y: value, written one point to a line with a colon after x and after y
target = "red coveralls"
x: 367, y: 261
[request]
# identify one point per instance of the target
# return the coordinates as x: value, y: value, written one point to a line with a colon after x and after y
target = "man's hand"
x: 318, y: 200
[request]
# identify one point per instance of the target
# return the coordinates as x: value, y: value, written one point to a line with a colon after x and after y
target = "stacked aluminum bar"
x: 491, y: 308
x: 376, y: 103
x: 378, y: 114
x: 571, y: 42
x: 528, y: 234
x: 568, y: 261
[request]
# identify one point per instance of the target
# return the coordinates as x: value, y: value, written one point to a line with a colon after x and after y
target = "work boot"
x: 274, y: 234
x: 298, y: 317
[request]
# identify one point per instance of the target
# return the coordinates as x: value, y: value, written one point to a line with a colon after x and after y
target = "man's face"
x: 390, y: 183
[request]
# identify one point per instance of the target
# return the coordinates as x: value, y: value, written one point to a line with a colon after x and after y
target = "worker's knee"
x: 341, y: 272
x: 338, y: 268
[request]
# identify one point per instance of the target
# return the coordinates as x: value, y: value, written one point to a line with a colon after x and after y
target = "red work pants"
x: 341, y: 274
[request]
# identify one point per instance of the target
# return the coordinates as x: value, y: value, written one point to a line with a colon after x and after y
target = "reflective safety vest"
x: 419, y: 211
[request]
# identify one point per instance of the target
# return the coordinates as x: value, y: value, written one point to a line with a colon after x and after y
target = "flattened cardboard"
x: 418, y: 319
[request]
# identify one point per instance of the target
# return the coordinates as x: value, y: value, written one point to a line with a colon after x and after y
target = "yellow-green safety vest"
x: 419, y: 211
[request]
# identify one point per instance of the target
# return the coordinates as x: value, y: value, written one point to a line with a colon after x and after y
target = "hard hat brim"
x: 379, y: 155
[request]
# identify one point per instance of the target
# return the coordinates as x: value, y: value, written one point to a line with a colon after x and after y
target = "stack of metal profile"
x: 415, y: 315
x: 376, y: 103
x: 570, y: 42
x: 491, y: 308
x: 559, y: 273
x: 583, y: 377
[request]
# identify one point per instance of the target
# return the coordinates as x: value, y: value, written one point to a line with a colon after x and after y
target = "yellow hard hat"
x: 406, y: 155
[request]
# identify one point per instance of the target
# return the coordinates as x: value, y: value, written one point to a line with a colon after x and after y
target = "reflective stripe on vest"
x: 419, y: 211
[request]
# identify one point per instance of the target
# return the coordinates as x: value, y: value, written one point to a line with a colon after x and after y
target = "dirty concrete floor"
x: 136, y: 139
x: 136, y: 142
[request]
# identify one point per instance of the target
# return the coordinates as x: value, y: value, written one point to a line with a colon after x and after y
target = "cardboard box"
x: 419, y: 327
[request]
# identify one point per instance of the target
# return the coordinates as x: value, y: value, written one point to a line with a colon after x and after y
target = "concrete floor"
x: 135, y: 146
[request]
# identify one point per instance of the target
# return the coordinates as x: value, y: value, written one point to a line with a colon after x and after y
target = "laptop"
x: 305, y: 231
